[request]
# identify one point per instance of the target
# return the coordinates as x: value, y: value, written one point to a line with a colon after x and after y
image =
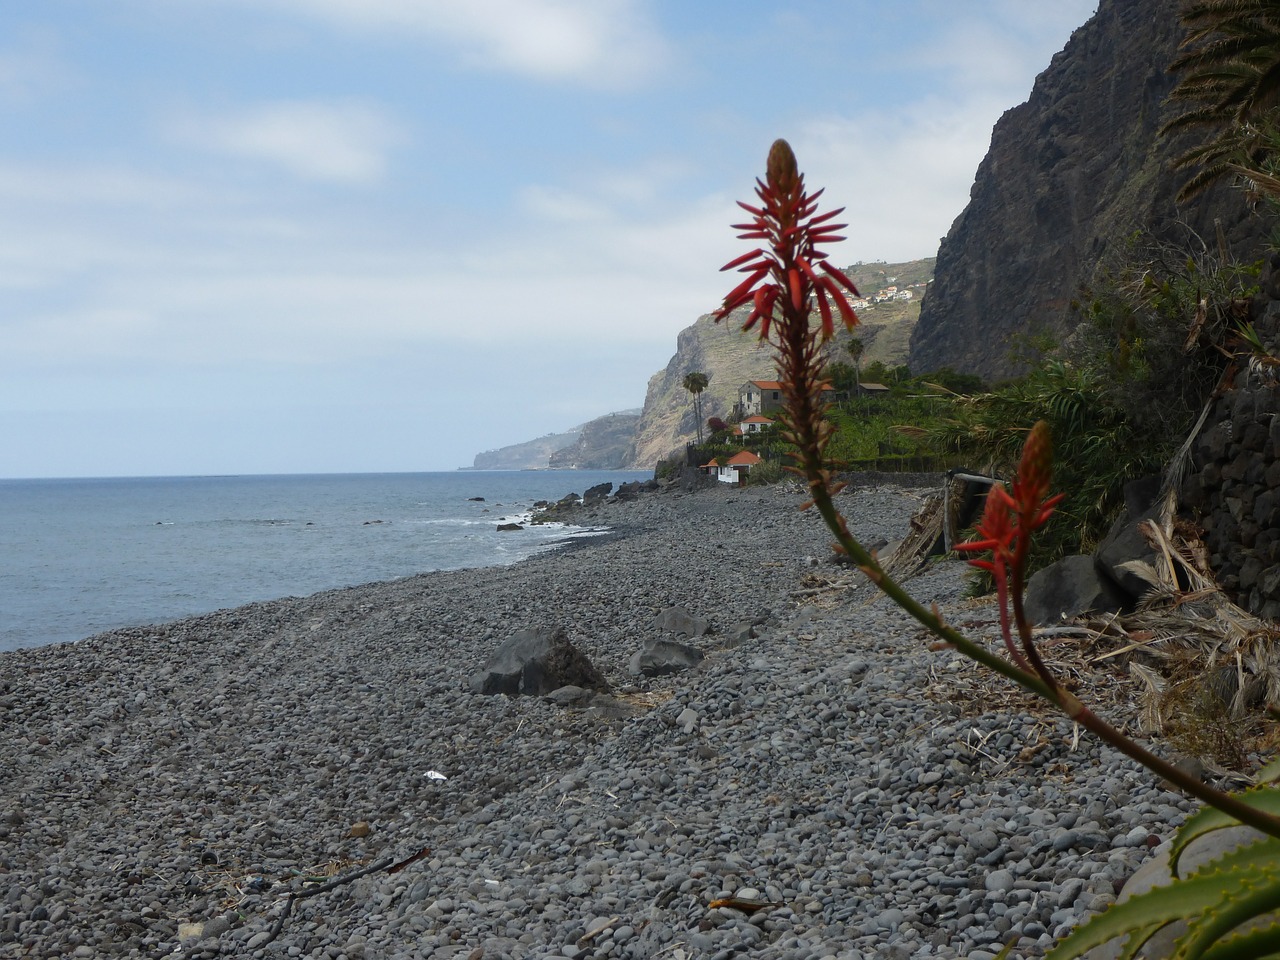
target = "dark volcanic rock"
x: 658, y: 658
x: 536, y: 662
x: 1125, y: 550
x: 1068, y: 588
x: 1074, y: 169
x: 680, y: 620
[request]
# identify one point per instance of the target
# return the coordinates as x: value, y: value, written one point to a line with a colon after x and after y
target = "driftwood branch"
x: 390, y: 865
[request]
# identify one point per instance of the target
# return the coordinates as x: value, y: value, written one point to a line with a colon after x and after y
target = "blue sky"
x: 276, y: 236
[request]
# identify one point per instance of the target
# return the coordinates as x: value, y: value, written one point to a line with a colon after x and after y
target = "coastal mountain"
x: 1070, y: 174
x: 602, y: 444
x: 599, y: 444
x: 889, y: 308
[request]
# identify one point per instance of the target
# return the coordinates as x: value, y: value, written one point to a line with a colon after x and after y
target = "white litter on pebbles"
x: 162, y: 789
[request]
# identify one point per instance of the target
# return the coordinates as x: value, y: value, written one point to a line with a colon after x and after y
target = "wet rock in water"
x: 505, y: 527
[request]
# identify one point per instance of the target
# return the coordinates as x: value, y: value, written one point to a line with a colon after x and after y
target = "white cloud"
x: 994, y: 55
x: 596, y: 42
x: 559, y: 205
x: 343, y: 141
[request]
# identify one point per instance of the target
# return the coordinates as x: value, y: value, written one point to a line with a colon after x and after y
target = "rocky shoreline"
x: 849, y: 792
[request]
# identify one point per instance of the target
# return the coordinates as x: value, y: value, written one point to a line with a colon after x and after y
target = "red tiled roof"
x: 777, y: 384
x: 744, y: 458
x: 756, y: 418
x: 713, y: 462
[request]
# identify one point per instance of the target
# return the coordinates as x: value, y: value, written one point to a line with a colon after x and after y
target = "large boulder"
x: 659, y: 658
x: 1125, y: 555
x: 597, y: 493
x: 536, y: 662
x: 1071, y: 587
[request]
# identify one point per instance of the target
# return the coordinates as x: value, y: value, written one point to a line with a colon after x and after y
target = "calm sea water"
x: 78, y: 557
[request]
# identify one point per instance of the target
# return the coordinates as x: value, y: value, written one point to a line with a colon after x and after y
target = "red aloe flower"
x: 1031, y: 488
x: 1007, y: 523
x: 788, y: 222
x: 996, y: 531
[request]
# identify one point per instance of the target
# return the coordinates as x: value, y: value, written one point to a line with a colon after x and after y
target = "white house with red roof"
x: 752, y: 425
x: 733, y: 470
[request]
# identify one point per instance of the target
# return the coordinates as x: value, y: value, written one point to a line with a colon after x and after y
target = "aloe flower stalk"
x: 784, y: 279
x: 782, y: 283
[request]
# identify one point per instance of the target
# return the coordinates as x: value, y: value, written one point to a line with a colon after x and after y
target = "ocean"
x: 79, y: 557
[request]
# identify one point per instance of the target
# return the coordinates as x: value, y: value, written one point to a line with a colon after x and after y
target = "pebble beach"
x: 846, y: 790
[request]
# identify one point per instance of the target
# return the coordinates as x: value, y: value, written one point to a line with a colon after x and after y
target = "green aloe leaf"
x: 1249, y: 897
x: 1254, y: 945
x: 1141, y: 917
x: 1266, y: 799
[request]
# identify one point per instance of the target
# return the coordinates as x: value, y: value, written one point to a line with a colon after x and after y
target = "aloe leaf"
x: 1269, y: 773
x: 1254, y: 945
x: 1209, y: 892
x: 1238, y: 908
x: 1099, y: 931
x: 1208, y: 819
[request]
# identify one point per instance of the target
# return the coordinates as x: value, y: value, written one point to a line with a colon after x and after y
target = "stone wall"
x: 1234, y: 482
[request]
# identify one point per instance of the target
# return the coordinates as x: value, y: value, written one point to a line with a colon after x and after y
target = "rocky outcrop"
x: 1074, y: 170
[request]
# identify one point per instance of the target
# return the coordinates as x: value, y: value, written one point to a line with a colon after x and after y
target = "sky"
x: 312, y: 236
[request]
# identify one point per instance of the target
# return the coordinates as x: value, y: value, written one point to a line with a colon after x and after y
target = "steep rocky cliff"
x: 730, y: 358
x: 602, y: 444
x: 530, y: 455
x: 1074, y: 169
x: 599, y: 444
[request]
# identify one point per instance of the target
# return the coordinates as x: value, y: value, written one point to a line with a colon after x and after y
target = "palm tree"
x: 695, y: 382
x: 1230, y: 66
x: 856, y: 349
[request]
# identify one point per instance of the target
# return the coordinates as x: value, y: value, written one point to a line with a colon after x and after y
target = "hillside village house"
x: 758, y: 397
x: 732, y: 470
x: 752, y: 425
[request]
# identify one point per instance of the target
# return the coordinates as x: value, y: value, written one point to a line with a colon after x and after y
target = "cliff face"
x: 1075, y: 168
x: 530, y: 455
x: 599, y: 444
x: 603, y: 444
x: 730, y: 358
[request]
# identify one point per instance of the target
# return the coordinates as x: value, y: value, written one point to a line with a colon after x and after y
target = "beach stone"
x: 658, y: 658
x: 680, y: 620
x: 534, y: 662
